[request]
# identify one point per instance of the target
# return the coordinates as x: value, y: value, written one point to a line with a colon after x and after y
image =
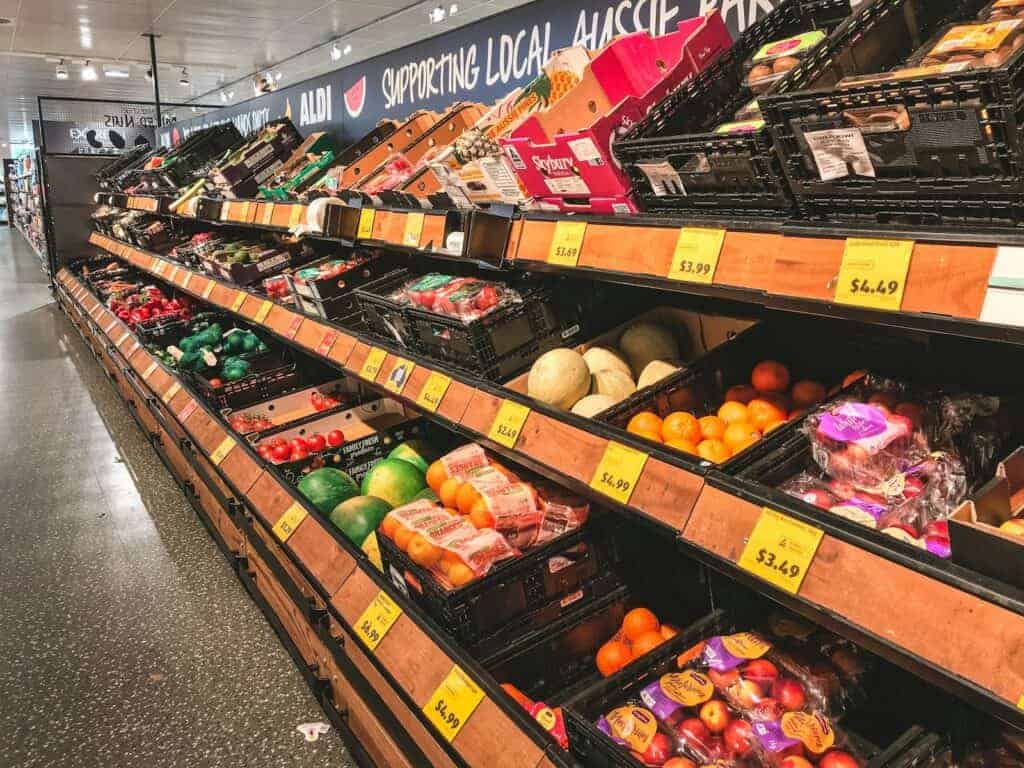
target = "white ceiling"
x: 222, y: 44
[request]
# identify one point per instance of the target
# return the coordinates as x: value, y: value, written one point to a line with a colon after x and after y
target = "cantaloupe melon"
x: 655, y: 371
x: 605, y: 359
x: 559, y: 378
x: 614, y: 384
x: 591, y: 405
x: 644, y: 342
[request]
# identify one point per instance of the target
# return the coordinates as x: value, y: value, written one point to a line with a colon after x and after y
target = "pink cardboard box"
x: 578, y: 160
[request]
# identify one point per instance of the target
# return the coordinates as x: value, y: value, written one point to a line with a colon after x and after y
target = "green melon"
x: 394, y: 480
x: 327, y: 487
x: 416, y: 452
x: 359, y: 516
x: 427, y: 494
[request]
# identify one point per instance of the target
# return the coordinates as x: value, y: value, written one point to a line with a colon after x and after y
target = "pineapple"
x: 473, y: 144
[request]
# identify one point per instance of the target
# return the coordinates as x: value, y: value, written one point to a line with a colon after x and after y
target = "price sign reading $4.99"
x: 379, y: 616
x: 780, y: 550
x: 619, y: 470
x: 451, y: 705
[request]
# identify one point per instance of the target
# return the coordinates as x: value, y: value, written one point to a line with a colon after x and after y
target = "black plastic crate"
x: 382, y: 316
x: 933, y: 142
x: 272, y: 374
x: 324, y: 290
x: 162, y: 331
x: 343, y: 309
x: 536, y: 587
x: 674, y: 160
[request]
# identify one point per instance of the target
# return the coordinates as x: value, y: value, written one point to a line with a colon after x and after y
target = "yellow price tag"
x: 238, y: 302
x: 365, y: 231
x: 244, y: 215
x: 618, y: 471
x: 399, y: 375
x: 433, y: 391
x: 371, y: 547
x: 268, y: 214
x: 188, y: 277
x: 210, y: 285
x: 452, y: 704
x: 508, y: 423
x: 874, y: 273
x: 297, y: 212
x: 780, y: 550
x: 263, y: 311
x: 149, y: 371
x: 696, y: 255
x: 379, y: 616
x: 1020, y: 702
x: 222, y: 450
x: 172, y: 390
x: 288, y: 522
x: 567, y: 243
x: 371, y: 365
x: 413, y: 230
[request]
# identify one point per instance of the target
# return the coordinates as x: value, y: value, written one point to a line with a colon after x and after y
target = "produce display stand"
x: 710, y: 516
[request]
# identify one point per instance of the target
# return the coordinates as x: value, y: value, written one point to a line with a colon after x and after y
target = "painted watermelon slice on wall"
x: 355, y: 98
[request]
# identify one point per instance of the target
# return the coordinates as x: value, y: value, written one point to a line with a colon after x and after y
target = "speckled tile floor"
x: 126, y: 638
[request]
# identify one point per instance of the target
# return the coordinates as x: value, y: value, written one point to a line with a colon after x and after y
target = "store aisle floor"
x: 126, y: 638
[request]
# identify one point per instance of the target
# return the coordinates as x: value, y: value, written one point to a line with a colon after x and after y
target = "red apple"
x: 659, y: 751
x: 790, y: 694
x: 694, y: 734
x: 739, y: 738
x: 795, y: 761
x: 715, y: 715
x: 747, y: 693
x: 817, y: 497
x: 762, y: 672
x: 937, y: 528
x: 838, y: 759
x: 766, y: 711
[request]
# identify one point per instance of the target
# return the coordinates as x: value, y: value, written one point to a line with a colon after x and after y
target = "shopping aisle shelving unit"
x: 25, y: 204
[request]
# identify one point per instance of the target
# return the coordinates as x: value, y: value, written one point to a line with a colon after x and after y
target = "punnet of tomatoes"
x: 278, y: 450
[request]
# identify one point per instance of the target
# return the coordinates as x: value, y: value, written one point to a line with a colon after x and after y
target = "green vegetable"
x: 234, y: 368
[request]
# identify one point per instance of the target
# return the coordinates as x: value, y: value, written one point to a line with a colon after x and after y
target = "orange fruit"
x: 854, y: 377
x: 712, y: 428
x: 653, y: 435
x: 449, y: 492
x: 645, y: 421
x: 733, y: 412
x: 448, y: 561
x: 740, y: 447
x: 714, y: 450
x: 460, y: 575
x: 423, y: 552
x: 771, y: 427
x: 668, y: 632
x: 762, y: 413
x: 388, y: 526
x: 770, y: 376
x: 647, y: 642
x: 686, y: 446
x: 436, y: 475
x: 680, y: 426
x: 741, y: 393
x: 612, y: 656
x: 807, y: 393
x: 481, y: 516
x: 742, y: 434
x: 638, y: 621
x: 403, y: 536
x: 466, y: 497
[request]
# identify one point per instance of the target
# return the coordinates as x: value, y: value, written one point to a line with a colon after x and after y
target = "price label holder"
x: 225, y: 211
x: 873, y: 273
x: 172, y: 390
x: 289, y: 521
x: 567, y: 243
x: 210, y: 285
x: 695, y: 258
x: 508, y: 423
x: 238, y: 302
x: 189, y: 408
x: 123, y: 339
x: 780, y: 550
x: 327, y: 343
x: 293, y: 327
x: 399, y: 375
x: 452, y: 704
x: 244, y: 215
x: 379, y: 616
x: 158, y: 267
x: 188, y: 277
x: 268, y: 214
x: 618, y: 471
x: 222, y: 450
x: 365, y: 230
x: 433, y: 391
x: 149, y: 371
x: 263, y: 311
x: 295, y: 215
x: 413, y: 229
x: 173, y: 276
x: 371, y: 365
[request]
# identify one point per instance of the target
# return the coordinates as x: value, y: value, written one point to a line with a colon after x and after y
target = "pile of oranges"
x: 750, y: 412
x: 426, y: 554
x: 641, y: 632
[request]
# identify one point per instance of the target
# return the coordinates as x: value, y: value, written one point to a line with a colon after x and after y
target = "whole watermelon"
x: 359, y: 516
x: 394, y: 480
x: 327, y: 487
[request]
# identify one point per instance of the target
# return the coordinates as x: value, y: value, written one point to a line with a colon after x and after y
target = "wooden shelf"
x: 942, y: 634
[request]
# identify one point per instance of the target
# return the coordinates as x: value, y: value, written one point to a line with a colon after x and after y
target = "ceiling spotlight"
x: 223, y: 96
x: 62, y: 71
x: 335, y: 52
x: 111, y: 70
x: 347, y: 50
x: 88, y: 71
x: 453, y: 9
x: 436, y: 15
x: 231, y: 94
x: 194, y: 110
x: 183, y: 80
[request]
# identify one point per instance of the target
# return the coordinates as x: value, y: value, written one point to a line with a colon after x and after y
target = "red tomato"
x: 316, y: 442
x: 317, y: 399
x: 282, y: 452
x: 487, y: 298
x: 266, y: 452
x: 299, y: 453
x: 216, y: 383
x: 276, y: 441
x: 335, y: 438
x: 299, y: 444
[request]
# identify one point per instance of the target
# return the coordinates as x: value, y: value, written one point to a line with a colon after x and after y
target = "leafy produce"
x: 395, y: 481
x: 359, y: 516
x: 327, y: 487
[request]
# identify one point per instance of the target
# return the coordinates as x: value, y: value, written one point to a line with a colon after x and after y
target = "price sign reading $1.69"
x: 780, y: 550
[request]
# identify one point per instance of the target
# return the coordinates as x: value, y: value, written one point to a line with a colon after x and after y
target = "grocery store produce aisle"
x: 126, y: 636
